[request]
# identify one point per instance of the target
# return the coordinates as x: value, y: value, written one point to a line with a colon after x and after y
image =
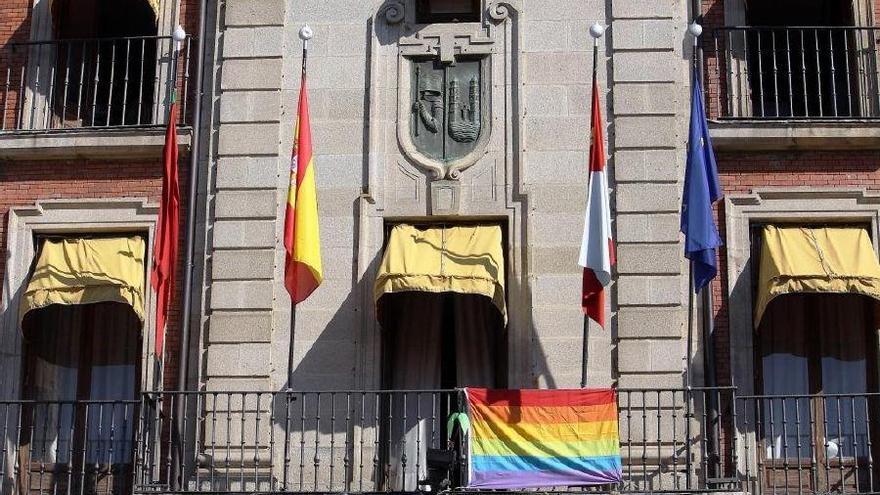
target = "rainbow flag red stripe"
x: 543, y: 438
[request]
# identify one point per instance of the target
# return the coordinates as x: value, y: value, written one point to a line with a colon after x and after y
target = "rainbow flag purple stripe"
x: 543, y: 438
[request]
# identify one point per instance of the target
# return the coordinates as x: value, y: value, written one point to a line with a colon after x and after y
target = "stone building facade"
x: 525, y: 69
x: 531, y: 176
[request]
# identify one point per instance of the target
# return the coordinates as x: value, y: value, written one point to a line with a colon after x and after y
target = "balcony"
x: 702, y: 440
x: 772, y: 88
x: 91, y: 94
x: 817, y: 73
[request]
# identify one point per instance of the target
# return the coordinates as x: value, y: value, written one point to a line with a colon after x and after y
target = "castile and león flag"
x: 597, y: 246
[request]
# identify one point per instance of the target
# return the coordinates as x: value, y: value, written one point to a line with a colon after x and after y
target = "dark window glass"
x: 438, y: 11
x: 791, y: 56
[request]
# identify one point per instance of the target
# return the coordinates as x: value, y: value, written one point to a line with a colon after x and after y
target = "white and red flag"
x: 597, y: 247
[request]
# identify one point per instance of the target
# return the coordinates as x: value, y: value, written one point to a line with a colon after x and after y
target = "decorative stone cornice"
x: 445, y: 43
x: 394, y: 12
x: 499, y: 10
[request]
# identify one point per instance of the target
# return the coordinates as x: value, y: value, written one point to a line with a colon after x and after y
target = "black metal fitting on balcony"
x: 124, y: 82
x: 400, y: 441
x: 793, y: 72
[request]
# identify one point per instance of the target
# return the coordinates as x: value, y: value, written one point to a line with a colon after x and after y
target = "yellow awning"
x: 83, y: 271
x: 154, y: 4
x: 462, y: 259
x: 829, y: 260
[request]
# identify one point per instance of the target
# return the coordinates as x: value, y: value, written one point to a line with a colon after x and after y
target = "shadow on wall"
x: 366, y: 440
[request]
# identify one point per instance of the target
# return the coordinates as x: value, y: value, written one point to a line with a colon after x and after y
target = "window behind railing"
x: 102, y: 64
x: 795, y: 60
x: 89, y: 83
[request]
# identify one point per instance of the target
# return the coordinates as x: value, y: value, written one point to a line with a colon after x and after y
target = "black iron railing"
x: 810, y: 443
x: 672, y: 440
x: 93, y: 83
x: 793, y: 72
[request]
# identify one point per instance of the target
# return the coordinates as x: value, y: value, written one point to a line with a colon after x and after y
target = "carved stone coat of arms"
x: 446, y: 110
x: 444, y: 101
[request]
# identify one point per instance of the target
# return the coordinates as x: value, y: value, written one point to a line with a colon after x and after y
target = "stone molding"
x: 489, y: 187
x: 74, y: 217
x: 780, y: 205
x: 787, y: 135
x: 447, y: 42
x: 89, y: 144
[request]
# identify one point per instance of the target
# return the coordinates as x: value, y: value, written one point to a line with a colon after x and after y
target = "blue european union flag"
x: 701, y: 189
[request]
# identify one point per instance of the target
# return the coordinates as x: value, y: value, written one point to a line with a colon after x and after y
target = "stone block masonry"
x: 649, y: 81
x: 247, y: 194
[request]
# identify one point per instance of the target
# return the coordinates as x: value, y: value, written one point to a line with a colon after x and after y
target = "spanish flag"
x: 302, y: 269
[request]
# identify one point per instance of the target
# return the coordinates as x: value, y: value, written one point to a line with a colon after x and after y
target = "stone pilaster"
x: 247, y: 166
x: 650, y: 110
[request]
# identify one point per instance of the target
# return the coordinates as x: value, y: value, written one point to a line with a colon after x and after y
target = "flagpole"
x: 305, y: 34
x: 179, y: 407
x: 596, y: 31
x: 695, y: 30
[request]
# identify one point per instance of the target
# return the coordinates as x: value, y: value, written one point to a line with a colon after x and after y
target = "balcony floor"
x: 91, y: 143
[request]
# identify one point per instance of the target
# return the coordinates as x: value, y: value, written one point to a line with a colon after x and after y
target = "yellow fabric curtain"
x: 154, y: 4
x: 462, y: 259
x: 826, y: 260
x: 83, y: 271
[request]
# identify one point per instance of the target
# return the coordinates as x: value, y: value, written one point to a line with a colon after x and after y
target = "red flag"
x: 167, y: 231
x: 597, y: 246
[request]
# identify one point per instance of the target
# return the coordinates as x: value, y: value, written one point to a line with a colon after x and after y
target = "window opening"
x: 82, y: 369
x: 809, y: 347
x: 447, y: 11
x: 801, y: 63
x: 106, y: 62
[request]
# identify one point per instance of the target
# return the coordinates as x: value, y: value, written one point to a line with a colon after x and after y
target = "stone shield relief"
x: 444, y: 113
x: 447, y: 117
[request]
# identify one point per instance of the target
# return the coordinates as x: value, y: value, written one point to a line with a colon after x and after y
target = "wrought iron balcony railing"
x: 672, y: 440
x: 793, y: 72
x: 92, y: 83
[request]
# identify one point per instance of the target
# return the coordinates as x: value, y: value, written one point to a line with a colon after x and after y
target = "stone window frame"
x: 779, y: 205
x: 75, y: 217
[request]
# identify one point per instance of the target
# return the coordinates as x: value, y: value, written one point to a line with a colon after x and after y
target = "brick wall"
x: 23, y: 183
x: 14, y: 27
x: 743, y: 172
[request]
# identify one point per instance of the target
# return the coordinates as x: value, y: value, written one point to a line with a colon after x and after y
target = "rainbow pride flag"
x: 543, y: 438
